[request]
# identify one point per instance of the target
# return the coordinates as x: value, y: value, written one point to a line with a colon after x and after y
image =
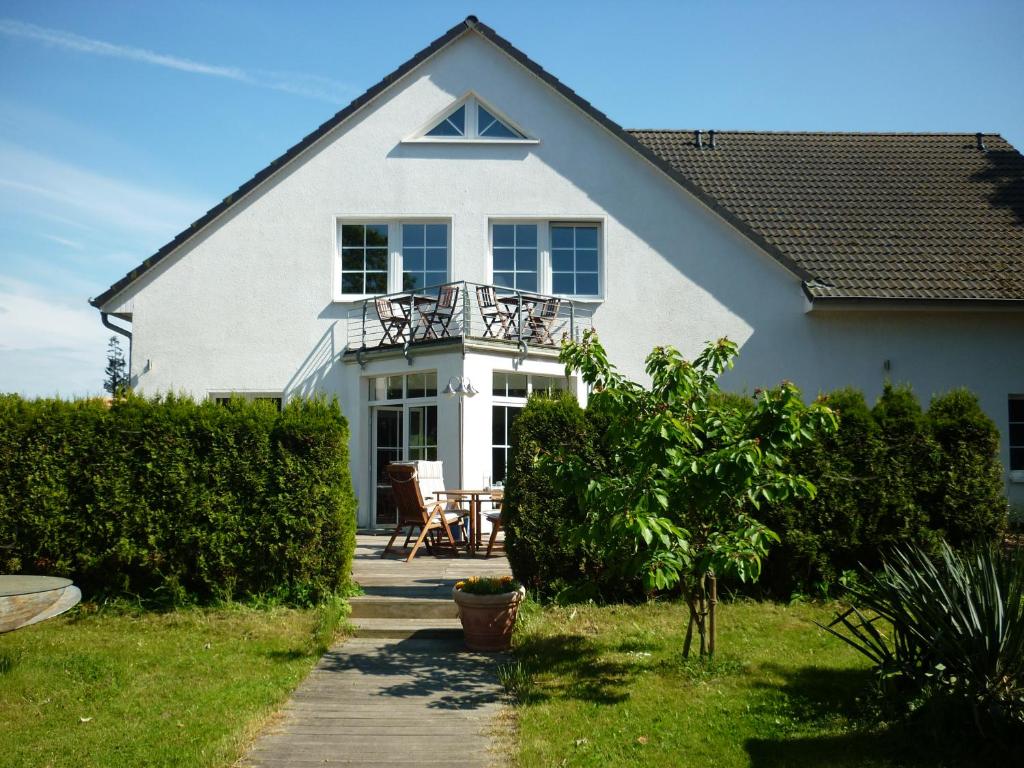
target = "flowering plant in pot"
x: 487, y: 609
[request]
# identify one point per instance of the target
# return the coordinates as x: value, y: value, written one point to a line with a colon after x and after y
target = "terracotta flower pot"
x: 488, y: 620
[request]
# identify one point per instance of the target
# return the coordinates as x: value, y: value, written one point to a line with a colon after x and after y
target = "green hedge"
x: 172, y: 500
x: 892, y: 474
x: 539, y: 516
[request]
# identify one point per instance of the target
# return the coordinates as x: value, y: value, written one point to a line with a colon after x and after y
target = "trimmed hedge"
x: 174, y: 501
x: 892, y: 474
x: 539, y: 517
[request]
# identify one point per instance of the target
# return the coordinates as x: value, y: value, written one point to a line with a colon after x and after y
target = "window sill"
x: 1017, y: 475
x: 580, y: 299
x: 459, y: 140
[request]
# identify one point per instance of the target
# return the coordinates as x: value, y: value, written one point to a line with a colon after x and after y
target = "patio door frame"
x: 403, y: 449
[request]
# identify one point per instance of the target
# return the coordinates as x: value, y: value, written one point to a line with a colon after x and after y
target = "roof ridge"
x: 749, y: 132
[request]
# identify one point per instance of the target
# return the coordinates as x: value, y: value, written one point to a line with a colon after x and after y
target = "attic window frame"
x: 471, y: 102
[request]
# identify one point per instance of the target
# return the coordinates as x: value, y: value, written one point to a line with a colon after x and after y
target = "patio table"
x: 26, y: 600
x: 530, y: 301
x: 475, y: 497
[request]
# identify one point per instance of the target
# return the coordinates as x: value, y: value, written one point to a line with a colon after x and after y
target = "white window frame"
x: 544, y: 225
x: 394, y: 223
x: 470, y: 100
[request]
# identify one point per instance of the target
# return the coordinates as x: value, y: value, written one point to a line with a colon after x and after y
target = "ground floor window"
x: 1016, y: 409
x: 510, y: 391
x: 502, y: 419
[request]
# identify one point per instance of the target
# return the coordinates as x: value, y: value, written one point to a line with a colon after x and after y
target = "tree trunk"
x: 712, y: 602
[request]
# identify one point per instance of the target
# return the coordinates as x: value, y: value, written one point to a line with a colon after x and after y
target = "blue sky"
x: 121, y: 122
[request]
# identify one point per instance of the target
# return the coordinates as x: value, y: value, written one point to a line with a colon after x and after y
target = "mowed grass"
x: 609, y: 689
x: 185, y: 688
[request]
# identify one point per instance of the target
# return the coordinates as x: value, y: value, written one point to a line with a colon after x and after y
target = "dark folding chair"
x: 496, y: 316
x: 394, y: 323
x: 439, y: 316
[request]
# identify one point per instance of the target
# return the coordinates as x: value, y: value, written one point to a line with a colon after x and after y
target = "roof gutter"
x: 903, y: 304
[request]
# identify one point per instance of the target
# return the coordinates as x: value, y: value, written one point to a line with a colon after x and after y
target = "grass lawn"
x: 609, y: 689
x: 187, y: 688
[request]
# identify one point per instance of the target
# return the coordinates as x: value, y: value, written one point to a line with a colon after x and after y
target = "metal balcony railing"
x: 468, y: 311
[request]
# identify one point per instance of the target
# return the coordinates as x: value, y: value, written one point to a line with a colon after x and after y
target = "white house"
x: 833, y: 259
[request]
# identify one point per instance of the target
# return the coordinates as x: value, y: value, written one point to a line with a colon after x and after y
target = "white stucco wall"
x: 250, y: 303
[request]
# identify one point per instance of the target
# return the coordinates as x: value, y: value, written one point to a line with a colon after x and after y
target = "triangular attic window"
x: 473, y: 121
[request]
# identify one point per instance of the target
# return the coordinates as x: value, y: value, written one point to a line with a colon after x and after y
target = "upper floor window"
x: 424, y: 255
x: 470, y: 119
x: 364, y: 258
x: 560, y: 258
x: 390, y: 256
x: 515, y: 256
x: 574, y: 259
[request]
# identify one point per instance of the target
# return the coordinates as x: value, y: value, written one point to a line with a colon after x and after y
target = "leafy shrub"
x: 174, y: 500
x: 541, y: 518
x: 957, y: 627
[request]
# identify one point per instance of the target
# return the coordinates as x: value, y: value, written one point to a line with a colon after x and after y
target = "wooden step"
x: 406, y: 629
x: 385, y: 607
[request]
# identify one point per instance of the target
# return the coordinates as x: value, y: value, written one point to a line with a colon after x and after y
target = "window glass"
x: 547, y: 384
x: 364, y: 258
x: 392, y: 387
x: 490, y: 126
x: 514, y: 255
x: 574, y: 260
x: 502, y: 419
x: 422, y: 384
x: 1016, y: 432
x: 424, y: 255
x: 452, y: 125
x: 423, y: 433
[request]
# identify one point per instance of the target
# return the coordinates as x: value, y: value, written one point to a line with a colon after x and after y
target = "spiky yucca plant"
x: 951, y: 622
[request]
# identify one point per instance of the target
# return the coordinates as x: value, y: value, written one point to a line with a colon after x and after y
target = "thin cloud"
x: 65, y: 242
x: 36, y: 184
x: 310, y: 86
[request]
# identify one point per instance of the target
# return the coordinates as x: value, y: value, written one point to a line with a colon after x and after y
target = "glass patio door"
x: 388, y: 446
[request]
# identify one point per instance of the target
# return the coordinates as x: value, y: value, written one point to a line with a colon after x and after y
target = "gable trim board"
x: 817, y: 292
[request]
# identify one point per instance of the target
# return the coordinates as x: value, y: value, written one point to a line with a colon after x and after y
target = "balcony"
x: 461, y: 312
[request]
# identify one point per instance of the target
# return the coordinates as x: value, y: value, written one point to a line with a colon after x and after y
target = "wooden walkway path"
x: 402, y: 692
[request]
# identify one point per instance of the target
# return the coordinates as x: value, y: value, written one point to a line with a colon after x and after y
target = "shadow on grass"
x: 577, y: 660
x: 815, y: 695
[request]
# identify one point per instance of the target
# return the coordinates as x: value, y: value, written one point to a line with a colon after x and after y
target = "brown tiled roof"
x: 869, y: 216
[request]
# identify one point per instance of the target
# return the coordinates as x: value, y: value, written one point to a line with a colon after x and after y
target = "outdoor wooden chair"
x: 495, y: 314
x: 542, y: 320
x: 439, y: 316
x: 394, y: 323
x: 414, y: 513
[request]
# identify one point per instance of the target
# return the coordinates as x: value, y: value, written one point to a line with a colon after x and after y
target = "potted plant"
x: 487, y: 609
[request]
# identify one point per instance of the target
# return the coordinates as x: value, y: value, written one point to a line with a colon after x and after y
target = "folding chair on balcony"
x: 394, y: 323
x: 542, y: 320
x: 438, y: 316
x: 414, y: 513
x: 496, y: 316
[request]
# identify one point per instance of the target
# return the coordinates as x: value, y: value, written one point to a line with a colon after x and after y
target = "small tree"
x: 685, y: 469
x: 116, y: 381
